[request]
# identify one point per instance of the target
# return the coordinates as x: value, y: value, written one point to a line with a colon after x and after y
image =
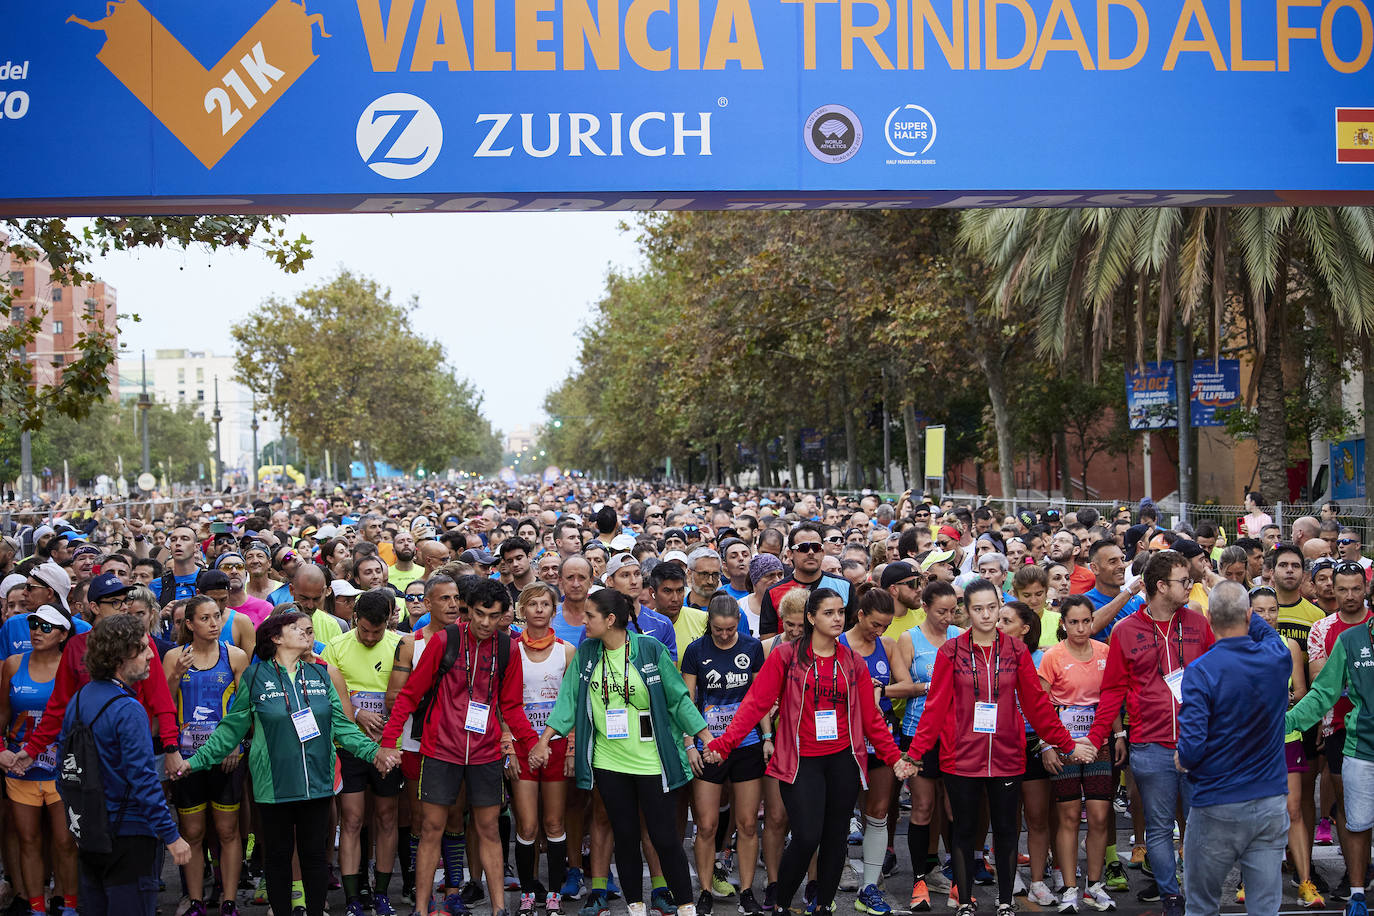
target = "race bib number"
x: 827, y: 725
x: 369, y: 701
x: 1175, y: 681
x: 48, y: 759
x: 1078, y: 719
x: 194, y: 735
x: 538, y: 714
x: 985, y: 718
x: 718, y: 718
x: 306, y: 727
x: 477, y: 718
x: 617, y: 724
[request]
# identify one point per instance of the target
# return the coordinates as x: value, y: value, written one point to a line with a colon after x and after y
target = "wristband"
x: 767, y: 737
x: 1120, y: 734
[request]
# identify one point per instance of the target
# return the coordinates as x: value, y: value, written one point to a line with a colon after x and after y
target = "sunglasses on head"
x: 808, y: 547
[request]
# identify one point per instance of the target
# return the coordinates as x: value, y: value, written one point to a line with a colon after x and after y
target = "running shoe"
x: 365, y: 895
x: 1114, y: 877
x: 1121, y: 800
x: 228, y: 908
x: 299, y: 911
x: 1240, y: 893
x: 1149, y: 893
x: 770, y: 896
x: 512, y: 882
x: 1096, y: 896
x: 354, y: 908
x: 612, y: 889
x: 1356, y: 906
x: 197, y: 908
x: 1341, y: 889
x: 1146, y: 867
x: 436, y: 907
x: 965, y: 910
x: 334, y: 881
x: 636, y: 909
x: 596, y: 904
x: 1322, y: 835
x: 809, y: 893
x: 1022, y: 858
x: 553, y: 904
x: 661, y: 902
x: 952, y: 901
x: 1006, y: 909
x: 471, y: 892
x: 1173, y: 905
x: 455, y: 905
x: 889, y: 862
x: 705, y: 903
x: 872, y: 901
x: 1137, y: 856
x: 1308, y: 896
x: 856, y: 832
x: 982, y: 875
x: 1018, y: 885
x: 1069, y: 902
x: 260, y: 893
x: 920, y: 897
x: 381, y: 905
x: 937, y: 881
x: 1039, y: 893
x: 748, y: 905
x: 720, y: 883
x: 572, y: 884
x: 526, y: 905
x: 851, y: 878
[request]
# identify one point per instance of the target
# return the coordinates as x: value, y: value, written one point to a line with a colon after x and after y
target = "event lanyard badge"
x: 306, y: 727
x: 827, y: 725
x: 617, y: 724
x: 477, y: 718
x: 985, y: 718
x: 1175, y: 681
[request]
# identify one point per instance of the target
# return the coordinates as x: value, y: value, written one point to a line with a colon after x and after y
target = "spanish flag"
x: 1355, y: 135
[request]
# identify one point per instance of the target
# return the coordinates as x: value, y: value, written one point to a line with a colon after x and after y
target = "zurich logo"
x: 399, y: 136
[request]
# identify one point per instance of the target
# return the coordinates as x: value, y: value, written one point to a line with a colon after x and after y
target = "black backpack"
x: 81, y: 786
x: 417, y: 722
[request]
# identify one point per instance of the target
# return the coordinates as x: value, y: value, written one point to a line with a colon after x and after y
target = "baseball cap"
x: 50, y: 614
x: 623, y: 542
x: 1189, y: 548
x: 1026, y: 517
x: 477, y: 555
x: 936, y: 556
x: 326, y: 532
x: 342, y: 588
x: 211, y: 579
x: 676, y: 555
x: 1052, y: 513
x: 10, y: 583
x: 619, y: 562
x: 107, y: 584
x: 899, y: 571
x: 55, y: 577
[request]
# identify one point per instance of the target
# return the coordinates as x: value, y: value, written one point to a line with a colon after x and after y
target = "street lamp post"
x: 254, y: 427
x: 144, y: 403
x: 215, y: 418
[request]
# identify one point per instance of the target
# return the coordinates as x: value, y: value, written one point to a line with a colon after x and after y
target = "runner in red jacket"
x: 982, y: 684
x: 827, y: 708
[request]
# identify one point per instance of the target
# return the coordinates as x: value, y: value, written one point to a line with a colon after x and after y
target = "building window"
x: 16, y: 313
x: 57, y: 294
x: 200, y: 395
x: 181, y: 376
x: 59, y: 359
x: 181, y: 396
x: 90, y: 308
x: 17, y: 279
x: 57, y: 326
x: 200, y: 374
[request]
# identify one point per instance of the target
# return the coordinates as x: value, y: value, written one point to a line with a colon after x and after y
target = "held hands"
x: 904, y: 768
x: 713, y: 757
x: 21, y: 763
x: 386, y: 760
x: 179, y: 769
x: 539, y: 755
x: 1083, y: 751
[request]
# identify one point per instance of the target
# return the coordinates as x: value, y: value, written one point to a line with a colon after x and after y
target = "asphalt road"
x: 898, y: 887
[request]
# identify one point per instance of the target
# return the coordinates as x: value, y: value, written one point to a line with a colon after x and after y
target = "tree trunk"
x: 1271, y: 436
x: 915, y: 479
x: 790, y: 449
x: 853, y: 479
x: 990, y: 361
x: 1061, y: 449
x: 761, y: 456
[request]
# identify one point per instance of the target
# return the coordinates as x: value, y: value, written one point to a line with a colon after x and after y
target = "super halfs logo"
x: 207, y: 110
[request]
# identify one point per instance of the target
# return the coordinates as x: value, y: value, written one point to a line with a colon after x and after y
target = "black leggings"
x: 296, y: 827
x: 965, y: 794
x: 819, y: 803
x: 626, y: 797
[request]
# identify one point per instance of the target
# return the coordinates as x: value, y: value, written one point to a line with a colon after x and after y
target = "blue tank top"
x: 202, y: 699
x: 922, y: 666
x: 28, y: 699
x: 879, y: 668
x: 226, y: 633
x: 1035, y: 660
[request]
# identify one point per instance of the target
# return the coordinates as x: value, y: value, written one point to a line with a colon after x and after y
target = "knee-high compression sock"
x: 503, y: 825
x: 918, y: 842
x: 350, y: 887
x: 875, y: 848
x: 451, y: 851
x: 525, y: 855
x: 381, y: 881
x: 556, y: 848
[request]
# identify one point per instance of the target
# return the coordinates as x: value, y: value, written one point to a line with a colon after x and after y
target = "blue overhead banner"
x: 1151, y: 398
x: 119, y: 106
x: 1215, y: 386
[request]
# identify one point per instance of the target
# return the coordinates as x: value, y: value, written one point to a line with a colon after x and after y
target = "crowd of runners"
x: 445, y: 698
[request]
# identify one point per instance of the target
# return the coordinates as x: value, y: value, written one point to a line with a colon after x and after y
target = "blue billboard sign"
x: 1215, y: 386
x: 137, y: 106
x: 1347, y: 469
x: 1151, y: 396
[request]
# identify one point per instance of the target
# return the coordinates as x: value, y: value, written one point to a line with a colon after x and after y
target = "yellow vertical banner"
x: 935, y: 452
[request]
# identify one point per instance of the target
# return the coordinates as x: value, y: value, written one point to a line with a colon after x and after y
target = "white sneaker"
x: 936, y: 882
x: 637, y: 909
x: 850, y: 879
x: 1056, y: 880
x: 1097, y: 897
x: 1069, y: 902
x: 1018, y: 886
x: 1040, y: 893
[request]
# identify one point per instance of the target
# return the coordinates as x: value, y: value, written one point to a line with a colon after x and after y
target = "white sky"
x: 503, y: 292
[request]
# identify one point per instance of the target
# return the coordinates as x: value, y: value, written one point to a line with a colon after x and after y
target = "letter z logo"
x: 399, y: 136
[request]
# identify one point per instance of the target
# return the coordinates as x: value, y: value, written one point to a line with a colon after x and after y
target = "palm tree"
x: 1071, y: 263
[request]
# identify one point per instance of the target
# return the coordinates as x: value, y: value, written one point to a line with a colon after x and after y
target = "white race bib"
x: 1078, y: 720
x: 985, y: 718
x: 306, y: 727
x: 477, y: 718
x: 827, y: 725
x: 1175, y: 681
x: 48, y: 759
x: 538, y: 714
x: 369, y: 701
x: 718, y: 718
x: 194, y: 735
x: 617, y: 724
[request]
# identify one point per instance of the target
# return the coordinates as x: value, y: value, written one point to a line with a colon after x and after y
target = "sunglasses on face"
x: 41, y: 626
x: 1346, y: 542
x: 835, y: 539
x: 808, y: 547
x: 232, y: 566
x: 412, y: 599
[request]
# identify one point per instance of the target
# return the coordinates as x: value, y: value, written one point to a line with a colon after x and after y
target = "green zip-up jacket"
x: 284, y: 768
x: 1350, y: 668
x: 672, y: 711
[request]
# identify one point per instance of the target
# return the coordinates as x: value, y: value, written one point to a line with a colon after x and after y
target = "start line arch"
x: 244, y: 106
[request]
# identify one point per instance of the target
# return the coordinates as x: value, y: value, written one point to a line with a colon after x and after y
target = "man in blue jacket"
x: 1230, y: 743
x: 123, y: 881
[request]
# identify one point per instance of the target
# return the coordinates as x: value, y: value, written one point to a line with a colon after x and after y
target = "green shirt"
x: 1049, y: 628
x: 634, y: 754
x: 326, y: 626
x: 689, y: 626
x: 1349, y: 669
x: 365, y: 669
x: 401, y: 578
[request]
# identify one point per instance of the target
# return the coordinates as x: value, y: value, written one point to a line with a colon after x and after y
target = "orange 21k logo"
x: 207, y: 110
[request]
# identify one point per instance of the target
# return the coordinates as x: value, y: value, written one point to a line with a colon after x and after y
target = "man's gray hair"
x: 1227, y: 605
x: 701, y: 553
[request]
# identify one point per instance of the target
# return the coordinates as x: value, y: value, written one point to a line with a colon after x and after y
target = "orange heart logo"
x: 207, y: 110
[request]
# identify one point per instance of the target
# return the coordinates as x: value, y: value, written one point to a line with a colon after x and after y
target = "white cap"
x: 675, y: 555
x: 342, y: 588
x: 53, y: 616
x: 326, y: 532
x: 10, y: 583
x: 619, y: 562
x: 206, y: 507
x: 218, y: 504
x: 55, y: 577
x: 623, y: 542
